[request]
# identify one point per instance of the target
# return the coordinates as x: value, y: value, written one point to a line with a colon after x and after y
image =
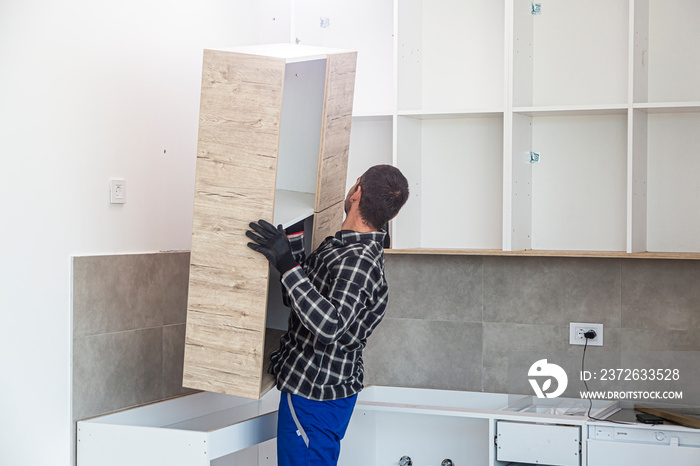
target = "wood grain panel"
x: 221, y: 358
x: 216, y: 164
x: 335, y: 133
x: 327, y: 223
x: 673, y: 416
x: 240, y: 111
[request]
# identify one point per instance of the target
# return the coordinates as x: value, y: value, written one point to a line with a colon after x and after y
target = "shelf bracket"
x: 536, y: 8
x: 534, y: 157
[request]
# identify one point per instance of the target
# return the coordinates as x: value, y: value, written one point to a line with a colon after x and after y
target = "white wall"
x: 89, y: 90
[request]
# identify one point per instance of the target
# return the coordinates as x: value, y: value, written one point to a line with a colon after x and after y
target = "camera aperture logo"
x: 544, y: 371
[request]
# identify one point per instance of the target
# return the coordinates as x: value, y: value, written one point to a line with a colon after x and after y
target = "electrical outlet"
x: 117, y: 191
x: 576, y: 331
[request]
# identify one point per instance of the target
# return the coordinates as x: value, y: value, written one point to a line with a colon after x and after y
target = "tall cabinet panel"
x: 220, y: 273
x: 273, y: 144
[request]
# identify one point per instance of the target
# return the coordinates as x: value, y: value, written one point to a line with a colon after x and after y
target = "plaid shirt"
x: 338, y: 297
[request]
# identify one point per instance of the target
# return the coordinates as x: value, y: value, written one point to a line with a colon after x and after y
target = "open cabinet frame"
x: 619, y: 75
x: 273, y: 142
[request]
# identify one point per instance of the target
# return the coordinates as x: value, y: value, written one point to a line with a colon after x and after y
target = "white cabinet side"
x: 117, y: 445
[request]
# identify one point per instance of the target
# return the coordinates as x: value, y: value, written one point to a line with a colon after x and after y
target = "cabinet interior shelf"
x: 292, y: 207
x: 437, y: 114
x: 669, y: 107
x: 568, y: 110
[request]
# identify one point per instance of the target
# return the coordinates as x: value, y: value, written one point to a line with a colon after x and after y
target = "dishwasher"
x: 632, y: 445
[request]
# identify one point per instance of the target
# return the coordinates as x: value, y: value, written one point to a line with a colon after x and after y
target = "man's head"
x: 383, y: 190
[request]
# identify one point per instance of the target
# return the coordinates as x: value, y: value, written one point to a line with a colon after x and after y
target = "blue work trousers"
x: 309, y: 432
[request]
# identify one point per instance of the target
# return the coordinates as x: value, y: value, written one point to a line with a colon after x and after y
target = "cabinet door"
x: 335, y: 145
x: 335, y: 132
x: 239, y: 128
x: 326, y: 223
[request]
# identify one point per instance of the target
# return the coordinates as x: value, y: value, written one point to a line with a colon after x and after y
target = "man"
x: 338, y: 296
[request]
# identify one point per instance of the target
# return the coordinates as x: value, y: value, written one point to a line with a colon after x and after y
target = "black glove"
x: 273, y: 244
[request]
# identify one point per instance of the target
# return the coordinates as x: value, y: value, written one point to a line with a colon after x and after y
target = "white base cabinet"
x: 429, y: 426
x: 204, y: 429
x: 389, y: 423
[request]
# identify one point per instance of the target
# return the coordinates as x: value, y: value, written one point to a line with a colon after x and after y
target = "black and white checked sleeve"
x: 296, y: 243
x: 354, y: 280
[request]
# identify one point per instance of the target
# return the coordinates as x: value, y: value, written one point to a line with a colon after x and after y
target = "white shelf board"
x: 424, y: 397
x: 372, y: 116
x: 668, y: 107
x: 573, y: 110
x: 436, y: 114
x: 168, y: 412
x: 219, y: 419
x: 292, y: 207
x: 291, y: 53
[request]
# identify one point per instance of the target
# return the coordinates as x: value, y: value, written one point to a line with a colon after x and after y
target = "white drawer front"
x: 538, y: 443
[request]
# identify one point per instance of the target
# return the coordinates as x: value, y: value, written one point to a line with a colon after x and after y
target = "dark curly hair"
x: 384, y: 192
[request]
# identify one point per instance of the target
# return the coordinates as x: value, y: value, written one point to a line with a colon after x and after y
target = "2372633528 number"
x: 639, y: 374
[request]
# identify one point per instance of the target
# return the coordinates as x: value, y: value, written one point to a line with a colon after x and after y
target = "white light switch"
x: 117, y: 191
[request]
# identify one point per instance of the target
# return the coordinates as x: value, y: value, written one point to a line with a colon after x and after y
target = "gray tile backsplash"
x: 116, y: 370
x: 176, y: 274
x: 519, y: 309
x: 501, y: 340
x: 545, y: 290
x: 173, y: 356
x: 425, y: 353
x: 454, y: 322
x: 663, y: 294
x: 520, y: 363
x: 658, y: 339
x: 129, y: 315
x: 445, y: 288
x: 117, y: 293
x: 679, y: 373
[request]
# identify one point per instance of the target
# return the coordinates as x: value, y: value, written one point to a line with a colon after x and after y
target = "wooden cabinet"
x: 273, y: 142
x: 604, y: 91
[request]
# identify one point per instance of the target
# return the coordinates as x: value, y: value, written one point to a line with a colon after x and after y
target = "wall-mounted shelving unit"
x: 605, y: 90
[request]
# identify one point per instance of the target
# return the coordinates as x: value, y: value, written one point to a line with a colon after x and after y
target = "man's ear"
x: 357, y: 194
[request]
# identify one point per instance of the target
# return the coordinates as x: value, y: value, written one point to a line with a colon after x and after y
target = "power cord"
x: 589, y: 335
